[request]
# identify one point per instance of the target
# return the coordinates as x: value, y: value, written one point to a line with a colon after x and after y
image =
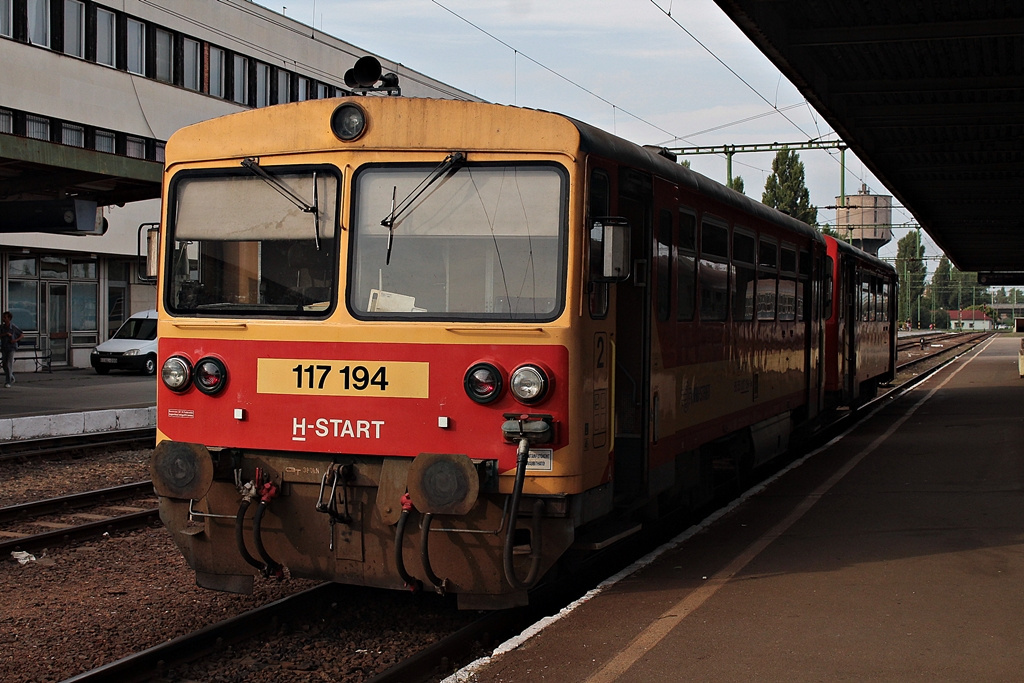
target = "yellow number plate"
x: 393, y: 379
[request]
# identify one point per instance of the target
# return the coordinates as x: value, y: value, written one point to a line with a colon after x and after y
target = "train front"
x: 364, y: 352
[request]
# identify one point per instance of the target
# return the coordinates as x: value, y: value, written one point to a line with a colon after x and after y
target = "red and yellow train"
x: 410, y: 341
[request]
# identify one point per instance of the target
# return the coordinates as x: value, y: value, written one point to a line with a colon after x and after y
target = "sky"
x: 674, y: 73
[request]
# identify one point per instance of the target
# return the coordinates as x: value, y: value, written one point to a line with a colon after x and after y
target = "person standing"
x: 10, y: 335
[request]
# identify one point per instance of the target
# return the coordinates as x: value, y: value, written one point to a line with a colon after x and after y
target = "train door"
x: 851, y: 294
x: 633, y: 340
x: 808, y: 298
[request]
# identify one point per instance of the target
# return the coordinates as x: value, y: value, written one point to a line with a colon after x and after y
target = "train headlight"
x: 529, y: 384
x: 483, y: 383
x: 211, y: 375
x: 348, y: 121
x: 176, y: 373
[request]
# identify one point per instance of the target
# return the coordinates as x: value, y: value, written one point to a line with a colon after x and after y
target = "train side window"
x: 787, y: 283
x: 744, y: 291
x: 686, y: 267
x: 876, y: 298
x: 598, y: 205
x: 713, y: 274
x: 767, y: 278
x: 803, y: 278
x: 663, y: 259
x: 884, y: 304
x: 865, y: 298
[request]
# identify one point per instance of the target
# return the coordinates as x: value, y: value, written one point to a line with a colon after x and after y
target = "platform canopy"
x: 929, y: 95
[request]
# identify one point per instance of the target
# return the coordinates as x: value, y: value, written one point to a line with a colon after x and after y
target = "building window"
x: 54, y: 267
x: 136, y: 47
x: 23, y: 302
x: 5, y: 17
x: 262, y: 84
x: 218, y: 71
x: 22, y: 266
x: 39, y: 22
x: 105, y: 42
x: 74, y: 28
x: 135, y: 147
x: 6, y: 119
x: 240, y: 93
x: 303, y: 93
x: 323, y: 91
x: 158, y: 152
x: 105, y: 141
x: 191, y: 78
x: 284, y: 86
x: 37, y: 127
x: 73, y: 135
x: 164, y: 56
x: 83, y: 311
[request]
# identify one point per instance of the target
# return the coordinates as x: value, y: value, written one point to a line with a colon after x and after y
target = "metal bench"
x: 29, y: 349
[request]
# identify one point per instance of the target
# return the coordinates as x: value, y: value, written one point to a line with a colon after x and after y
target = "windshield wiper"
x: 450, y: 163
x: 254, y: 166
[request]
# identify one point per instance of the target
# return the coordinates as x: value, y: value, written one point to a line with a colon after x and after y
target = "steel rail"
x: 57, y: 445
x: 141, y: 666
x: 78, y: 532
x: 74, y: 501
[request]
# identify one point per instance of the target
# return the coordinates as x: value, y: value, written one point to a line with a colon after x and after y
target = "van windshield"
x: 137, y: 328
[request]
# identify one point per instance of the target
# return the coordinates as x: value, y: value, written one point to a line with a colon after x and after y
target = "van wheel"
x: 150, y: 367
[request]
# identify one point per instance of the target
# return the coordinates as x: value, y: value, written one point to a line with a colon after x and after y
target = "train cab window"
x: 253, y: 242
x: 488, y: 243
x: 686, y: 266
x: 713, y: 274
x: 663, y: 260
x: 767, y: 278
x: 599, y: 204
x: 744, y: 291
x: 787, y: 298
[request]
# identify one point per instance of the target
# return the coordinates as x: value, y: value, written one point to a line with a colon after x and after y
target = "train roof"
x: 596, y: 141
x: 851, y: 250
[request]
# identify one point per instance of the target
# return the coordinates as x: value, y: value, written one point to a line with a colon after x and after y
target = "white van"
x: 133, y: 347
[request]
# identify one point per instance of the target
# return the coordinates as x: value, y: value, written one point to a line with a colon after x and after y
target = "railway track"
x: 910, y: 343
x: 78, y: 443
x: 71, y: 505
x: 932, y: 346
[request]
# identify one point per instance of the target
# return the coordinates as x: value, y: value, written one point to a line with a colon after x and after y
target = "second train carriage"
x: 408, y: 340
x: 860, y: 325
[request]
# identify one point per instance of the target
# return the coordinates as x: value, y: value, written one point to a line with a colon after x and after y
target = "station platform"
x: 74, y: 401
x: 896, y: 552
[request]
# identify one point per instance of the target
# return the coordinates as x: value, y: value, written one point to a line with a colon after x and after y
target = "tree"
x: 830, y: 231
x: 785, y: 189
x: 942, y: 285
x: 911, y: 271
x: 736, y: 184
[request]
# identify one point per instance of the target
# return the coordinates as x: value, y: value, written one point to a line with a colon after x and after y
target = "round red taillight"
x: 210, y: 375
x: 483, y: 382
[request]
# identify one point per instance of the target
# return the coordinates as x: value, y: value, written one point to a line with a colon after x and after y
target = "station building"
x: 90, y: 90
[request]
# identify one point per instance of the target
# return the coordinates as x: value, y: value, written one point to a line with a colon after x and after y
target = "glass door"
x: 57, y: 321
